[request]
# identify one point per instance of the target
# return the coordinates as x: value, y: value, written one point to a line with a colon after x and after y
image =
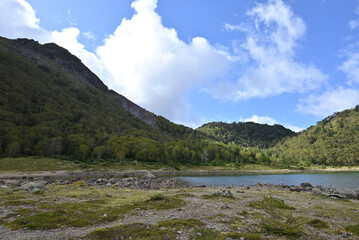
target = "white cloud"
x: 18, y: 20
x: 72, y: 21
x: 351, y: 67
x: 271, y: 45
x: 269, y: 121
x: 261, y: 120
x: 329, y: 102
x: 142, y: 59
x: 89, y: 35
x: 150, y: 65
x: 230, y: 27
x: 353, y: 24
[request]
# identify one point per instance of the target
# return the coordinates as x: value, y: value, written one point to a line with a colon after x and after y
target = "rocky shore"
x: 147, y: 180
x: 86, y: 207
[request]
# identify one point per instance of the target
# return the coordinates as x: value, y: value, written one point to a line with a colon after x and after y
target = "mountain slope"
x: 333, y: 141
x: 51, y: 104
x: 246, y: 134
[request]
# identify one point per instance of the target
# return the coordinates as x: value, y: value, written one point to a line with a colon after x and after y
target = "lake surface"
x: 336, y: 180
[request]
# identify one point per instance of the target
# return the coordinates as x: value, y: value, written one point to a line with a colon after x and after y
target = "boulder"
x: 294, y: 189
x: 33, y: 185
x: 305, y: 185
x: 316, y: 191
x: 149, y: 175
x: 224, y: 193
x: 347, y: 193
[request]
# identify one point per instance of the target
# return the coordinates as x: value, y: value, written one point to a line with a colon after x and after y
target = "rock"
x: 224, y: 193
x: 294, y: 189
x: 320, y: 187
x: 347, y: 193
x: 305, y: 185
x: 112, y: 180
x: 5, y: 187
x: 33, y: 185
x: 101, y: 181
x: 316, y: 191
x: 36, y: 191
x: 335, y: 196
x: 149, y: 175
x: 345, y: 235
x: 225, y: 206
x: 240, y: 191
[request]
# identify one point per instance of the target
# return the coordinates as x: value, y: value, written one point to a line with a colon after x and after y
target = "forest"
x: 53, y: 105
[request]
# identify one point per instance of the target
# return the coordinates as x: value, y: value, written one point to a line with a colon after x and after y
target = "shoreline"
x: 160, y: 173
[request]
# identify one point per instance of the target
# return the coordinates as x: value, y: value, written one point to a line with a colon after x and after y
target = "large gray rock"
x: 316, y: 191
x: 347, y: 193
x: 30, y: 186
x: 305, y: 185
x: 149, y: 175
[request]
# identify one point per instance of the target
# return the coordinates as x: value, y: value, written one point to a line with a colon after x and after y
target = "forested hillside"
x: 333, y: 141
x: 246, y: 134
x: 51, y: 104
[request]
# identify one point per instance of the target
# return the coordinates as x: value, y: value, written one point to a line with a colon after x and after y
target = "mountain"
x: 333, y: 141
x: 246, y: 134
x: 52, y: 104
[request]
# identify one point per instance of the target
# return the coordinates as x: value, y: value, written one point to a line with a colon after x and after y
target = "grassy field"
x: 79, y: 211
x: 33, y: 164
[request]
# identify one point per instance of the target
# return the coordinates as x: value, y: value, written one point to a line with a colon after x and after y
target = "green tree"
x: 12, y: 149
x: 84, y: 150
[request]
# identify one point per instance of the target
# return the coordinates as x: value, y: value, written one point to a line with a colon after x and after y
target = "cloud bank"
x: 271, y: 39
x: 329, y: 102
x: 150, y: 65
x: 142, y: 59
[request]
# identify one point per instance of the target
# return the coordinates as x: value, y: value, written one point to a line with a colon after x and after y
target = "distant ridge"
x: 246, y: 134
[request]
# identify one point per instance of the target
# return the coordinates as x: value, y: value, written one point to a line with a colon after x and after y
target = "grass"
x: 181, y: 223
x: 232, y: 167
x: 317, y: 223
x: 216, y: 196
x: 30, y: 164
x: 134, y: 231
x: 41, y: 212
x: 277, y: 221
x: 353, y: 229
x: 167, y: 229
x: 247, y: 236
x: 285, y: 226
x: 269, y: 202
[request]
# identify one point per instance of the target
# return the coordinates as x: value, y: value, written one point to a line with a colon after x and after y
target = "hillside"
x: 246, y: 134
x: 333, y: 141
x: 52, y: 104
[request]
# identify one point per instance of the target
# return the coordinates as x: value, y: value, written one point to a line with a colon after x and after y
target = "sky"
x: 289, y: 62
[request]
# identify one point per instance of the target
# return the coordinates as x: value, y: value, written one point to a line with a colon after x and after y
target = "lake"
x: 335, y: 179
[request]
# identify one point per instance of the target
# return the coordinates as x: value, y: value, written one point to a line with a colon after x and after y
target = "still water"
x: 337, y: 179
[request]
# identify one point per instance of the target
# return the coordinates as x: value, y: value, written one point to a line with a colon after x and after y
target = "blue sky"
x: 291, y: 62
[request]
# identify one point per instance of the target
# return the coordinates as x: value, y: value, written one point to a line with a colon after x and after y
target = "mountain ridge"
x: 246, y: 134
